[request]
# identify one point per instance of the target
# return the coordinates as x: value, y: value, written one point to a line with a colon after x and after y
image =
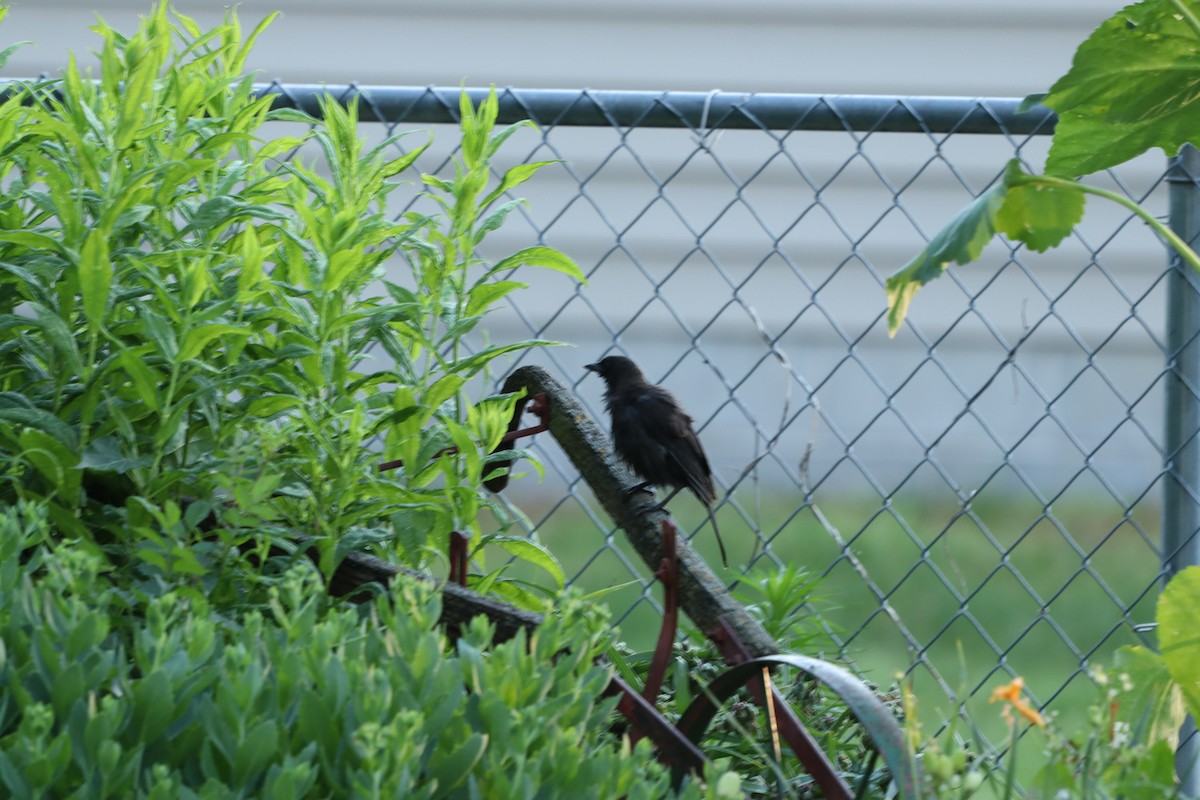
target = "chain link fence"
x: 982, y: 496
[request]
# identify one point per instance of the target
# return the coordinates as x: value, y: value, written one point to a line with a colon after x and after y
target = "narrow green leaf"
x: 136, y: 99
x: 500, y: 137
x: 495, y: 219
x: 514, y: 178
x: 450, y: 766
x: 398, y: 165
x: 237, y: 63
x: 541, y: 256
x: 160, y: 331
x: 471, y: 364
x: 95, y: 277
x: 7, y: 52
x: 54, y: 460
x: 484, y: 295
x: 33, y: 240
x: 520, y: 594
x: 14, y: 778
x: 59, y: 336
x: 292, y: 115
x: 252, y: 256
x: 145, y: 382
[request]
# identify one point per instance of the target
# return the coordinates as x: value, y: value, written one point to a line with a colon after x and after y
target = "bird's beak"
x: 592, y: 367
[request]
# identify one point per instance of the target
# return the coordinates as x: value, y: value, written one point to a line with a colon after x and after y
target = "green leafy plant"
x: 739, y: 738
x: 296, y: 700
x: 1129, y: 89
x: 1127, y: 748
x: 200, y: 337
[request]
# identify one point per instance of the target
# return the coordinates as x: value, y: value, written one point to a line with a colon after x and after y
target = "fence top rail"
x: 701, y: 111
x: 697, y: 110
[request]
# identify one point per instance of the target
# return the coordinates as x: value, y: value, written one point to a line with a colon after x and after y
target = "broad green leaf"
x: 255, y: 752
x: 520, y: 594
x: 152, y: 706
x: 1024, y: 207
x: 1155, y: 700
x: 215, y: 212
x: 54, y: 460
x: 95, y: 277
x: 1132, y: 86
x: 195, y: 339
x: 272, y: 404
x: 104, y: 455
x: 283, y: 144
x: 1038, y: 214
x: 540, y: 256
x: 484, y: 295
x: 1178, y: 634
x: 534, y: 553
x: 959, y: 242
x: 441, y: 391
x: 450, y: 766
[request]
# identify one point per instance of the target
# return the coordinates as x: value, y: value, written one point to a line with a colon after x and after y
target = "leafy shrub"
x: 194, y: 325
x: 294, y: 701
x: 191, y: 330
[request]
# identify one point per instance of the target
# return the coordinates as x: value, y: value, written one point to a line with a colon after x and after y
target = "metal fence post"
x: 1181, y: 488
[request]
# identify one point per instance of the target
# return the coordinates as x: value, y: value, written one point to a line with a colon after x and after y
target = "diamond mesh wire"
x: 981, y: 494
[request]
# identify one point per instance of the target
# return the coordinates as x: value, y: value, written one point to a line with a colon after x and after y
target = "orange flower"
x: 1011, y: 692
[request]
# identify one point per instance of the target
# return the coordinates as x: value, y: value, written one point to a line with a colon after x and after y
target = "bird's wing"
x: 673, y: 428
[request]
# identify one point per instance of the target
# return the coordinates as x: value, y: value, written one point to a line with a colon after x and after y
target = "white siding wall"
x: 935, y: 47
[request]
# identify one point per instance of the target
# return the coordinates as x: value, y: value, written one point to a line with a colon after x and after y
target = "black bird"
x: 654, y: 435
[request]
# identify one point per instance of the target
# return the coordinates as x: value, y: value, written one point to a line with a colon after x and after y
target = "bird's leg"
x: 663, y: 505
x: 644, y: 486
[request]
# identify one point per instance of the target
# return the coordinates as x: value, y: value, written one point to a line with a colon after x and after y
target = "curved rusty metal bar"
x: 703, y: 597
x: 886, y: 735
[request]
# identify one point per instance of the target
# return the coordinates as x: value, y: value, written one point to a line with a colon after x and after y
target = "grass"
x: 955, y: 599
